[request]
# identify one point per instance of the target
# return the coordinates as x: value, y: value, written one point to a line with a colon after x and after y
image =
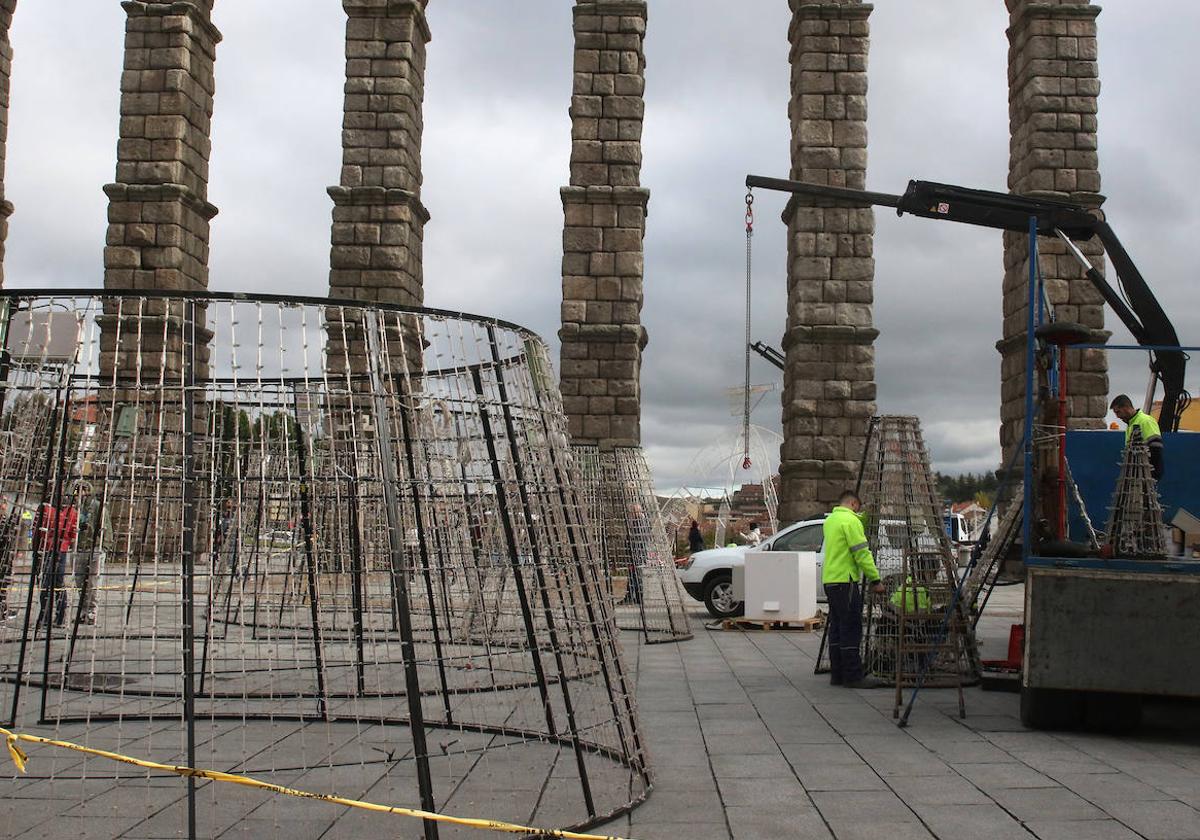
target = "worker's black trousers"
x: 845, y: 632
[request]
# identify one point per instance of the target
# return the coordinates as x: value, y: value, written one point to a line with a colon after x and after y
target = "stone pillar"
x: 158, y: 211
x: 158, y: 241
x: 829, y: 378
x: 1053, y: 87
x: 7, y: 7
x: 378, y: 218
x: 605, y: 220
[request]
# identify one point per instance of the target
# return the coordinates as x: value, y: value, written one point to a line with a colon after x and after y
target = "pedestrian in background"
x: 56, y: 530
x: 91, y: 548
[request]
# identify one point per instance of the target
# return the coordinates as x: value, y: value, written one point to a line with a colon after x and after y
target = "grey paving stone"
x: 953, y: 822
x: 1004, y: 775
x: 675, y: 831
x: 936, y: 790
x: 679, y: 755
x: 1158, y: 820
x: 756, y: 792
x: 679, y: 806
x: 907, y: 764
x: 734, y: 726
x: 750, y: 767
x: 840, y: 777
x: 773, y: 823
x: 745, y: 744
x: 866, y: 805
x: 1040, y: 803
x: 820, y: 755
x: 684, y: 778
x: 1104, y: 789
x: 878, y: 830
x: 17, y: 818
x: 972, y: 752
x: 1080, y: 830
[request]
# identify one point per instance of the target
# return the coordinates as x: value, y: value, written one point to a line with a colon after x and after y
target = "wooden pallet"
x: 807, y: 625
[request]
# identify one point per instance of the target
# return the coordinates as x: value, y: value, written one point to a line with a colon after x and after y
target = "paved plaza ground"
x: 748, y: 743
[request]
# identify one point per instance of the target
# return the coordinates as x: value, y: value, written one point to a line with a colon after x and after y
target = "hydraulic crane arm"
x: 769, y: 353
x: 1142, y: 315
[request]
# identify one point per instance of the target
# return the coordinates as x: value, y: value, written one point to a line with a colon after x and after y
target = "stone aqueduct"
x: 159, y: 213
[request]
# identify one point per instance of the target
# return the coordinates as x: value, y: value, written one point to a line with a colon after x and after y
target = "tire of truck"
x: 718, y: 597
x: 1051, y: 708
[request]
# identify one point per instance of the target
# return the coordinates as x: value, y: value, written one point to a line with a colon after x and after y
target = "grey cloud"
x: 496, y: 149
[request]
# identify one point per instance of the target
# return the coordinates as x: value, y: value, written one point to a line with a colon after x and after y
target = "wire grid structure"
x: 1135, y: 518
x: 1003, y: 535
x: 907, y: 630
x: 639, y: 556
x: 335, y: 547
x: 720, y: 464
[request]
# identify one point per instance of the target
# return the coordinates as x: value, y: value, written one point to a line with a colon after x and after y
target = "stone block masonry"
x: 159, y: 214
x: 378, y: 217
x: 829, y: 375
x: 605, y: 222
x: 1053, y: 89
x: 7, y: 7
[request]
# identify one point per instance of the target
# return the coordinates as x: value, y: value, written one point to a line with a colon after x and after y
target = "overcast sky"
x: 496, y: 149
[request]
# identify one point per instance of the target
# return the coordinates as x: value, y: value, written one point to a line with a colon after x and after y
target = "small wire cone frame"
x: 335, y: 546
x: 905, y: 630
x: 1135, y: 517
x: 635, y: 543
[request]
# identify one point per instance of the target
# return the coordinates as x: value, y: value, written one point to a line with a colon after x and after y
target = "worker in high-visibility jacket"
x: 910, y: 597
x: 1133, y: 418
x: 847, y: 561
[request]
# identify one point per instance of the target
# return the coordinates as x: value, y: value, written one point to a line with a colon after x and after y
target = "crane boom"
x: 1145, y: 318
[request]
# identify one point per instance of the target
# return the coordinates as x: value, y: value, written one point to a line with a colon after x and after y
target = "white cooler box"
x: 777, y: 585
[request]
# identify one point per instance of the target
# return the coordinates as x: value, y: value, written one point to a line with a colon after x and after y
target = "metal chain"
x: 746, y: 396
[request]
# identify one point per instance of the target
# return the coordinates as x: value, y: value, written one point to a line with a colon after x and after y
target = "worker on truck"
x: 847, y: 561
x: 1122, y: 406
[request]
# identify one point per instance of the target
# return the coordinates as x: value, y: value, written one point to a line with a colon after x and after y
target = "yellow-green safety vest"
x: 911, y: 598
x: 847, y: 557
x: 1148, y: 426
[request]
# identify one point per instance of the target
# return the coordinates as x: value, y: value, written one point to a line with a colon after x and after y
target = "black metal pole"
x: 387, y: 465
x: 510, y: 539
x: 188, y: 406
x: 574, y: 527
x: 535, y: 551
x: 137, y: 563
x: 356, y: 577
x: 36, y: 560
x: 50, y: 603
x: 423, y: 549
x: 309, y: 554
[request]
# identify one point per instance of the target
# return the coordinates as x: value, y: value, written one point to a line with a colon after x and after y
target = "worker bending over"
x: 847, y: 561
x: 1122, y: 406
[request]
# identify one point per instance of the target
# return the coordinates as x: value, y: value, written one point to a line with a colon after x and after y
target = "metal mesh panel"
x: 337, y: 547
x: 637, y: 544
x: 1135, y: 517
x: 904, y: 627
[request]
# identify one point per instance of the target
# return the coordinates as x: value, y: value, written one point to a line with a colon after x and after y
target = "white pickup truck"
x: 708, y: 575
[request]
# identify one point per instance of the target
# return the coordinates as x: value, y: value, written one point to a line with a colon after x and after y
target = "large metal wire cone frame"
x: 911, y: 629
x: 281, y: 535
x: 637, y: 546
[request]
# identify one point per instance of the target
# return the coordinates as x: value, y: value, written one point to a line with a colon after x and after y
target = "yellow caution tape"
x: 21, y: 759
